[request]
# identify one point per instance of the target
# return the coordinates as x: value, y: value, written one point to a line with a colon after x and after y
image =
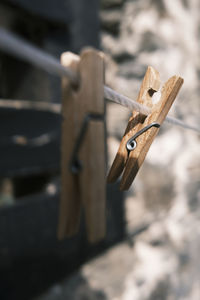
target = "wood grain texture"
x: 131, y: 162
x: 87, y: 187
x: 70, y: 205
x: 150, y: 82
x: 92, y: 177
x: 144, y: 141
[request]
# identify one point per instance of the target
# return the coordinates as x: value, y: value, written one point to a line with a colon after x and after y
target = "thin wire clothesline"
x: 112, y: 95
x: 14, y: 45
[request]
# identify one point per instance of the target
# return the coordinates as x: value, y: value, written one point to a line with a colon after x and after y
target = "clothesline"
x: 134, y: 105
x: 15, y: 46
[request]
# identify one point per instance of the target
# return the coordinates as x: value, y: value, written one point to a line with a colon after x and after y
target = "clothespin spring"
x: 131, y: 144
x: 75, y: 163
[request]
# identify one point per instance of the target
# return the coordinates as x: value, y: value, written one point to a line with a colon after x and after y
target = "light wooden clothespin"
x: 83, y: 147
x: 141, y: 130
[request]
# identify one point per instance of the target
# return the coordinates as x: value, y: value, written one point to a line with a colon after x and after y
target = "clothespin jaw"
x: 83, y: 153
x: 130, y: 161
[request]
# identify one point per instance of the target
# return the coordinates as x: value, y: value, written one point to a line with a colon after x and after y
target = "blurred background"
x: 151, y: 250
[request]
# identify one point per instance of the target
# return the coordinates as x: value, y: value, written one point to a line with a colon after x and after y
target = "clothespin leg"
x: 93, y: 152
x: 70, y: 202
x: 150, y: 84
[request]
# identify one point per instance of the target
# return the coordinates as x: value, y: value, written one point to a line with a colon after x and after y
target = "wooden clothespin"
x: 141, y: 130
x: 83, y: 147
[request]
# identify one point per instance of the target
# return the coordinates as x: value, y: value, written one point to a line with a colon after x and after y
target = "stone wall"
x: 164, y: 201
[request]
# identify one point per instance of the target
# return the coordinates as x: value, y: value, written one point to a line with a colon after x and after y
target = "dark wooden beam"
x: 29, y: 138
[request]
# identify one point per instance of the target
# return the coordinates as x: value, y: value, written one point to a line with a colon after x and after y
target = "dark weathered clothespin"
x: 83, y: 147
x: 141, y: 130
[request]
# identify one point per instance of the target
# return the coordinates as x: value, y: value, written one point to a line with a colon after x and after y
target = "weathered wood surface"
x: 82, y: 15
x: 151, y: 80
x: 87, y: 188
x: 54, y: 10
x: 31, y: 257
x: 130, y: 163
x: 159, y: 111
x: 29, y: 138
x: 29, y: 248
x: 40, y: 23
